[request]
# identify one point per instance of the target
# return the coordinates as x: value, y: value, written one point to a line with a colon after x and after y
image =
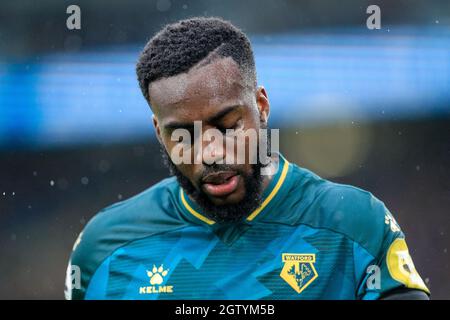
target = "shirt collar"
x: 193, y: 212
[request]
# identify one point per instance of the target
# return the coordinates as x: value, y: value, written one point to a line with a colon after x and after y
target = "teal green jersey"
x: 309, y: 239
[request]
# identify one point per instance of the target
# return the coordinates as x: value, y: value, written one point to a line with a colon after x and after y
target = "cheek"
x: 181, y: 154
x: 252, y: 119
x: 186, y: 170
x: 252, y: 124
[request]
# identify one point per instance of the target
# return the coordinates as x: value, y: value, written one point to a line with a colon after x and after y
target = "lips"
x: 218, y: 177
x: 220, y: 184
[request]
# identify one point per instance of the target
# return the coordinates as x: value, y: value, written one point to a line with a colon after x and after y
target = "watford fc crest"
x: 298, y: 270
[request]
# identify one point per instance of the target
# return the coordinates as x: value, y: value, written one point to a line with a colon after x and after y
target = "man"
x: 224, y: 229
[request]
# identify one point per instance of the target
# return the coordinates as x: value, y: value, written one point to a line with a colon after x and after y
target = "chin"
x: 234, y: 198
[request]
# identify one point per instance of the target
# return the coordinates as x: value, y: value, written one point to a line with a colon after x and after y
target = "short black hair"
x: 181, y: 45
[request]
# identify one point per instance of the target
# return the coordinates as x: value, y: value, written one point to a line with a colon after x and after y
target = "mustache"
x: 209, y: 169
x: 214, y: 168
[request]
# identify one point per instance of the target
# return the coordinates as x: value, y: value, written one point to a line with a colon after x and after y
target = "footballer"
x: 224, y: 229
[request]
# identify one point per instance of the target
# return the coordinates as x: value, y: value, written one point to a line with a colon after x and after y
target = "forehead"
x: 200, y: 91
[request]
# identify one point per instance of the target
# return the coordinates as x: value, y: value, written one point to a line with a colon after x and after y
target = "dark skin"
x: 218, y: 95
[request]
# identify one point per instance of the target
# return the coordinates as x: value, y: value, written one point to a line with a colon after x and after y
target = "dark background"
x: 49, y: 190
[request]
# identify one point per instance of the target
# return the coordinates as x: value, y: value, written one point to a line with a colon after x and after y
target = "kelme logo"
x: 156, y: 279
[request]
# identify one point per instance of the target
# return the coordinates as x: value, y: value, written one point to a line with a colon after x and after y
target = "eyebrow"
x: 190, y: 125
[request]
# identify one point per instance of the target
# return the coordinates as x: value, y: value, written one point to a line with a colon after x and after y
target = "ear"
x: 157, y: 128
x: 263, y: 104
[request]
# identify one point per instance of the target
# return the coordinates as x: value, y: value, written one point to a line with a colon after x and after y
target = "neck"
x: 274, y: 163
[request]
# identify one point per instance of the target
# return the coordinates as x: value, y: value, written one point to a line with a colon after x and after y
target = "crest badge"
x: 298, y: 270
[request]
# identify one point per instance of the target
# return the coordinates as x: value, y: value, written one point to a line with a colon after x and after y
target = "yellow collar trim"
x: 254, y: 213
x: 273, y: 193
x: 193, y: 212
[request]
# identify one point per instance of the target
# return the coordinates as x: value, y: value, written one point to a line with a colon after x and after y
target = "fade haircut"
x: 181, y: 45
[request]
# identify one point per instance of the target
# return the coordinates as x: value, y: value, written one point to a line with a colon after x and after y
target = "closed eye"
x: 235, y: 126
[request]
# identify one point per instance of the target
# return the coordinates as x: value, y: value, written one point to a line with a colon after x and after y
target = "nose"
x: 213, y: 149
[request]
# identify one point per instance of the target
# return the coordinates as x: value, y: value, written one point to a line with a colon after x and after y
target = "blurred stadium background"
x: 358, y: 106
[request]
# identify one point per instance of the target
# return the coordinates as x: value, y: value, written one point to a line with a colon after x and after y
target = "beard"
x: 227, y: 213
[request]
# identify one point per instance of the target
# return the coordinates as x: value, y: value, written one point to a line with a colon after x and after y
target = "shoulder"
x: 148, y: 213
x: 346, y: 209
x: 151, y: 210
x: 153, y: 204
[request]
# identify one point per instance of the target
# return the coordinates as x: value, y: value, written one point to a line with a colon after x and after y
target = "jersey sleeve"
x: 82, y: 264
x: 385, y: 264
x: 91, y: 247
x: 72, y: 285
